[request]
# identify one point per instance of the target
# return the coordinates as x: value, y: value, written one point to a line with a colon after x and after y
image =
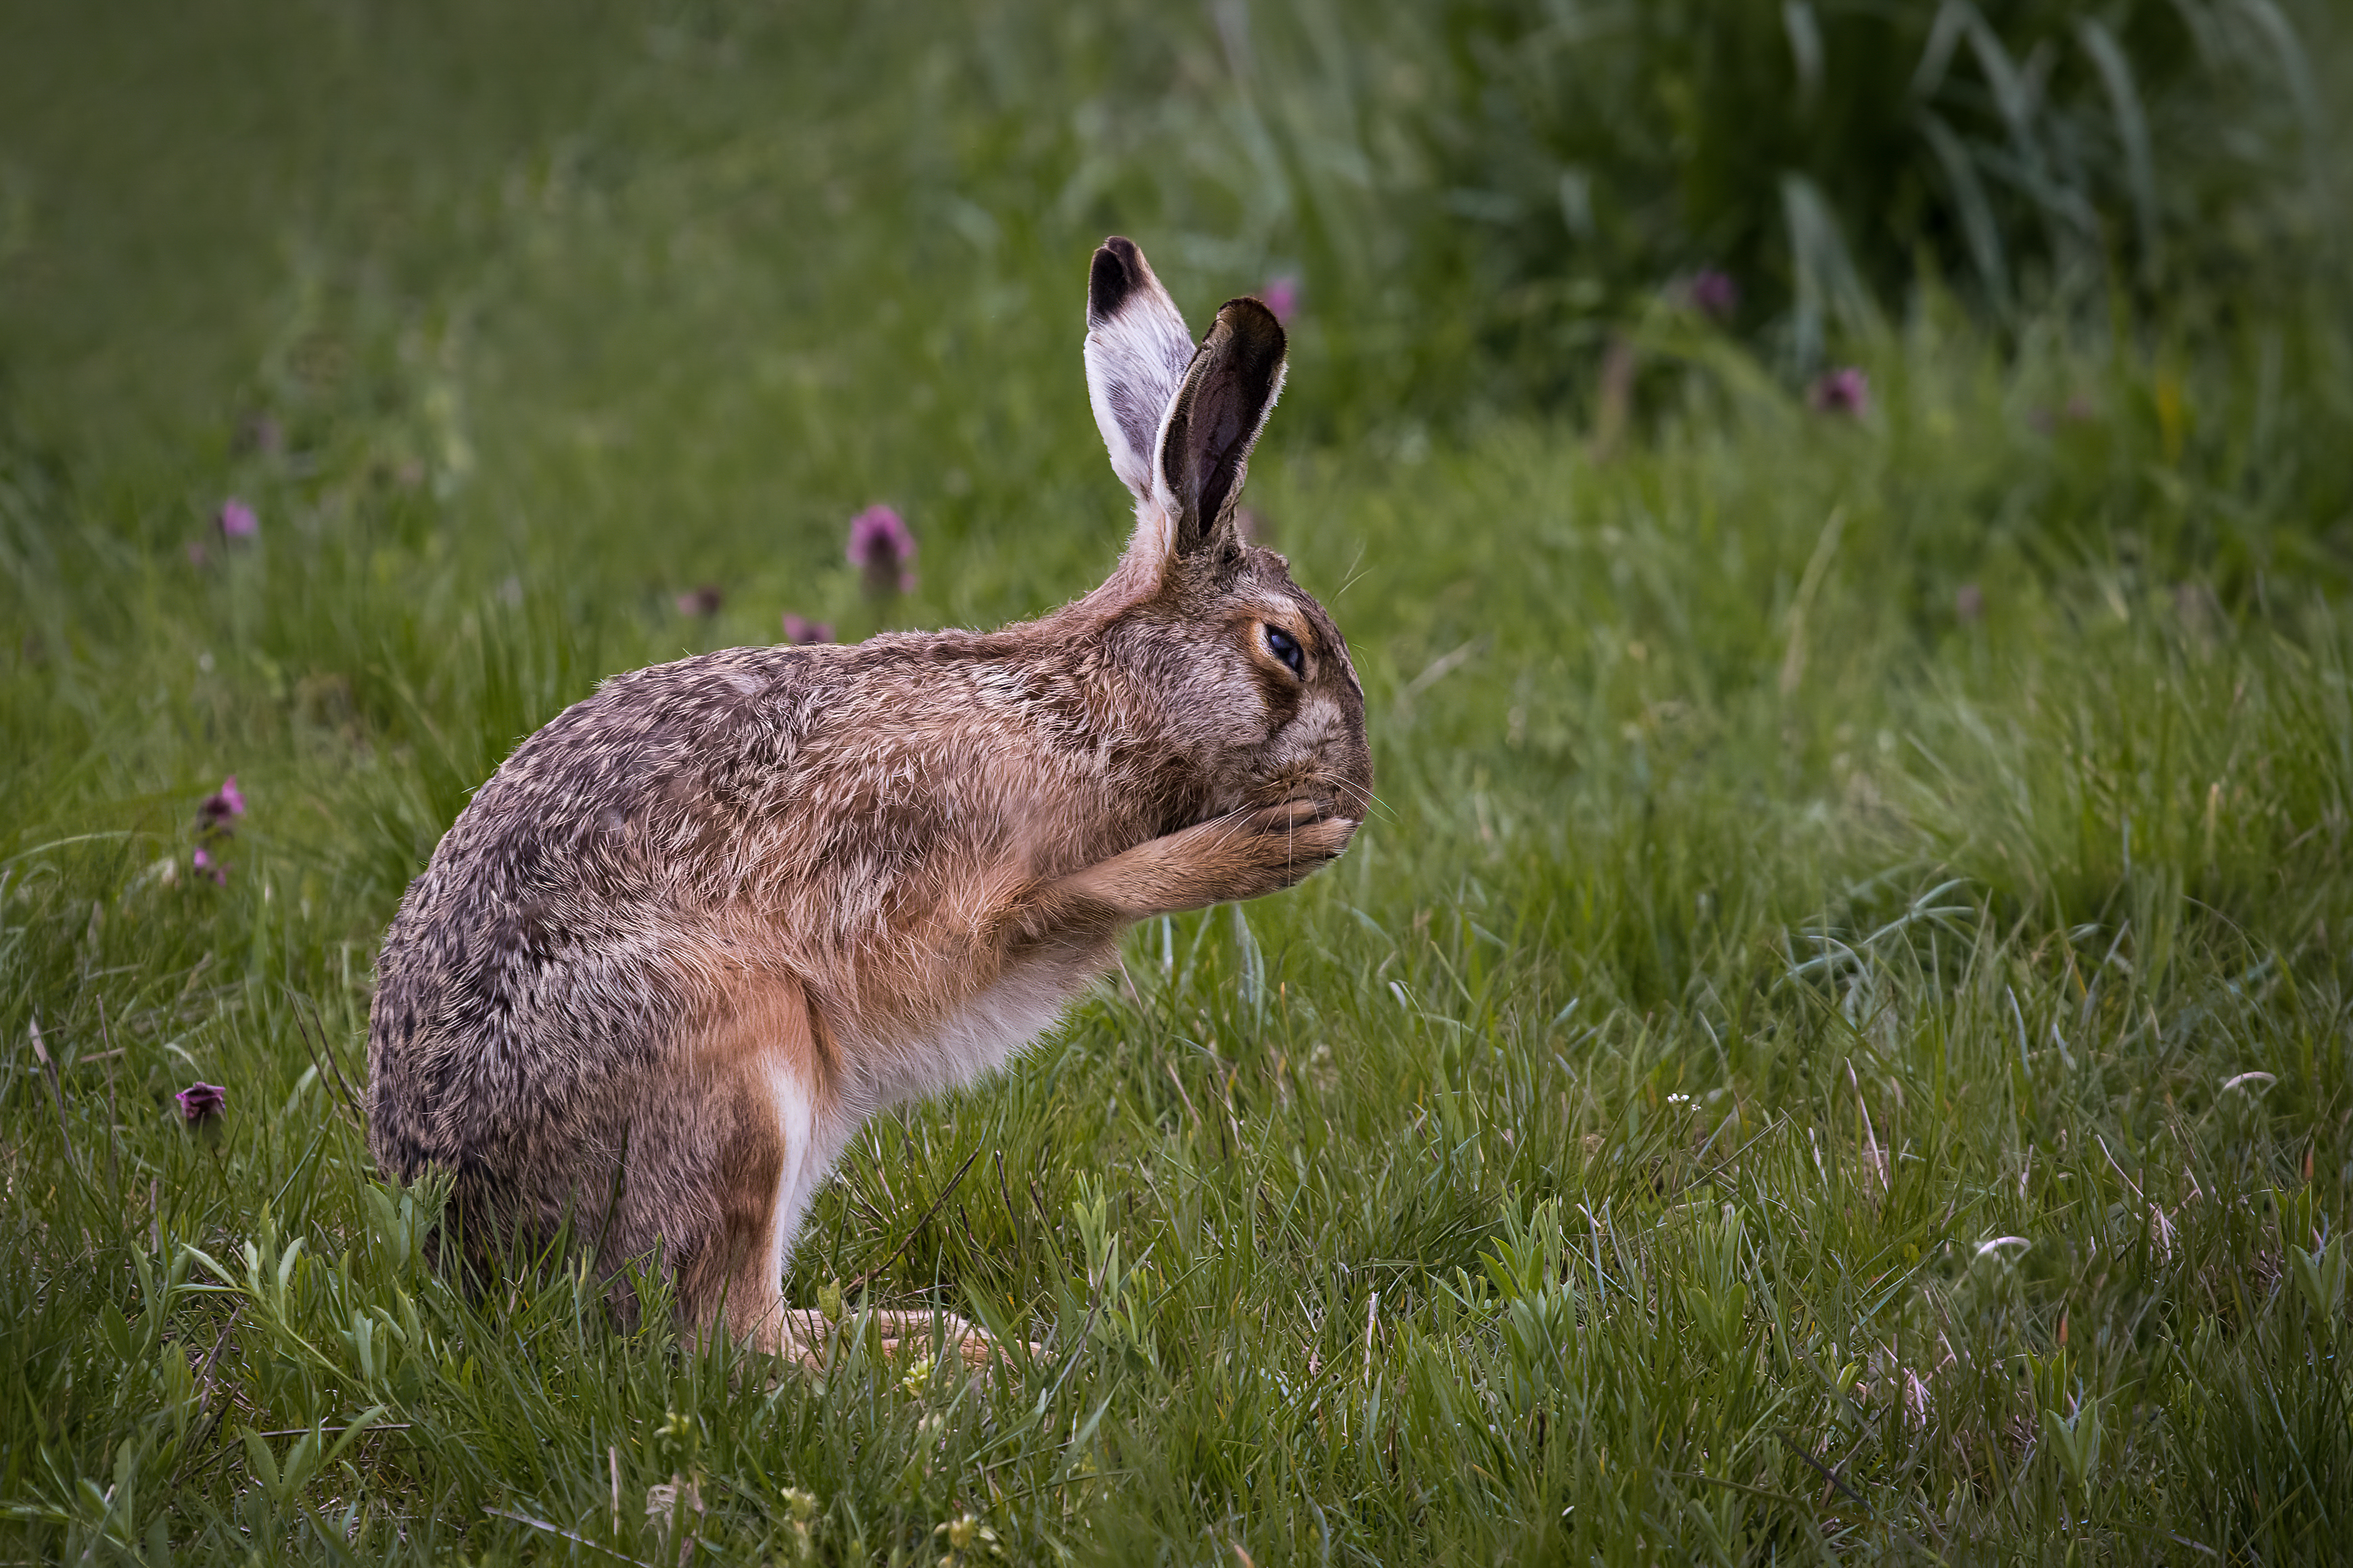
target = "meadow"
x: 1836, y: 1044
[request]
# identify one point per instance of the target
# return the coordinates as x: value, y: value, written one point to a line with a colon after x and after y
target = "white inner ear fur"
x: 1135, y: 363
x: 1154, y: 544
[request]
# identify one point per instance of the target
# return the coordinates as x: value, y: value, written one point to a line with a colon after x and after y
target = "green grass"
x: 1811, y: 850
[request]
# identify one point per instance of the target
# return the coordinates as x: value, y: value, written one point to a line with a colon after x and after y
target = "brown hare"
x: 698, y: 928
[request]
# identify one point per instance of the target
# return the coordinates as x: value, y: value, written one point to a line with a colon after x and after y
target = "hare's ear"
x: 1205, y: 444
x: 1138, y: 349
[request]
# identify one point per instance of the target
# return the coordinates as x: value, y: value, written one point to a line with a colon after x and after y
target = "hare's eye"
x: 1285, y: 647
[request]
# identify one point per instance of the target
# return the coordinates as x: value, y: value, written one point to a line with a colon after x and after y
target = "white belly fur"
x: 980, y: 1036
x: 807, y: 1157
x: 977, y: 1038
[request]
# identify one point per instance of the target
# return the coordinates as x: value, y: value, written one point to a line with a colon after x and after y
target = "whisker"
x: 1353, y: 575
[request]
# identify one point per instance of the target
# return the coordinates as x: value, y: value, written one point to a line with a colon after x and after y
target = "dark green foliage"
x: 2022, y: 149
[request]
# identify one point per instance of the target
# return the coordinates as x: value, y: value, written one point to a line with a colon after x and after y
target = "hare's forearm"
x: 1239, y: 856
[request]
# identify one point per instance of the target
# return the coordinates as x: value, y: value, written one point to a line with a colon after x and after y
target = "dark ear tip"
x: 1118, y: 271
x: 1252, y: 322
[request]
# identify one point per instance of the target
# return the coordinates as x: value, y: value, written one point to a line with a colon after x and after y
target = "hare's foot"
x: 917, y: 1333
x: 779, y: 1333
x: 897, y: 1334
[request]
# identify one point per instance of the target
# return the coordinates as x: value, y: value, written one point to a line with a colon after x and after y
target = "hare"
x: 705, y: 922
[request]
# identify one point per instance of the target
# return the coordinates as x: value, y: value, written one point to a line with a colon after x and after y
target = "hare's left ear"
x: 1138, y: 349
x: 1204, y: 444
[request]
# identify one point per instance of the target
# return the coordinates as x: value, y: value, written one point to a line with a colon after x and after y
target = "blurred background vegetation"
x: 841, y: 215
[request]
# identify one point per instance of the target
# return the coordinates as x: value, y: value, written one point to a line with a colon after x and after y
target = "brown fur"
x: 757, y: 1024
x: 698, y: 928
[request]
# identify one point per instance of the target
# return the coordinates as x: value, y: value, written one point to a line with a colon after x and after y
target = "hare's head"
x: 1250, y: 677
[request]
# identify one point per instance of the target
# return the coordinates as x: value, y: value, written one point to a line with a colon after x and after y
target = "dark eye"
x: 1284, y: 646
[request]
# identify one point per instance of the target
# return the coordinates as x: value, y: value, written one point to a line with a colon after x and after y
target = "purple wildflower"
x: 801, y: 632
x: 702, y: 601
x: 237, y: 519
x: 1715, y: 294
x: 881, y: 546
x: 217, y: 817
x: 201, y: 1103
x: 1845, y: 390
x: 1281, y: 295
x: 1968, y: 604
x: 221, y: 807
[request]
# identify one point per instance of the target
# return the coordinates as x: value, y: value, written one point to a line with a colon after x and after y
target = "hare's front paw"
x: 1307, y: 826
x: 1302, y: 830
x: 1252, y: 853
x: 1242, y: 855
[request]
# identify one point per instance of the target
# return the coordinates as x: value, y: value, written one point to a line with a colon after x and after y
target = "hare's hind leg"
x: 741, y: 1156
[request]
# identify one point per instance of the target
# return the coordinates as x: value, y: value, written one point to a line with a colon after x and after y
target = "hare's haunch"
x: 702, y: 925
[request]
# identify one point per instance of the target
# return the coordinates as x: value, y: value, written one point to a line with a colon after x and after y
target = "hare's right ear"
x: 1206, y: 441
x: 1138, y: 349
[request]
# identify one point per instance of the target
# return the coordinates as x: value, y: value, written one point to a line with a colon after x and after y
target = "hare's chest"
x: 981, y: 1034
